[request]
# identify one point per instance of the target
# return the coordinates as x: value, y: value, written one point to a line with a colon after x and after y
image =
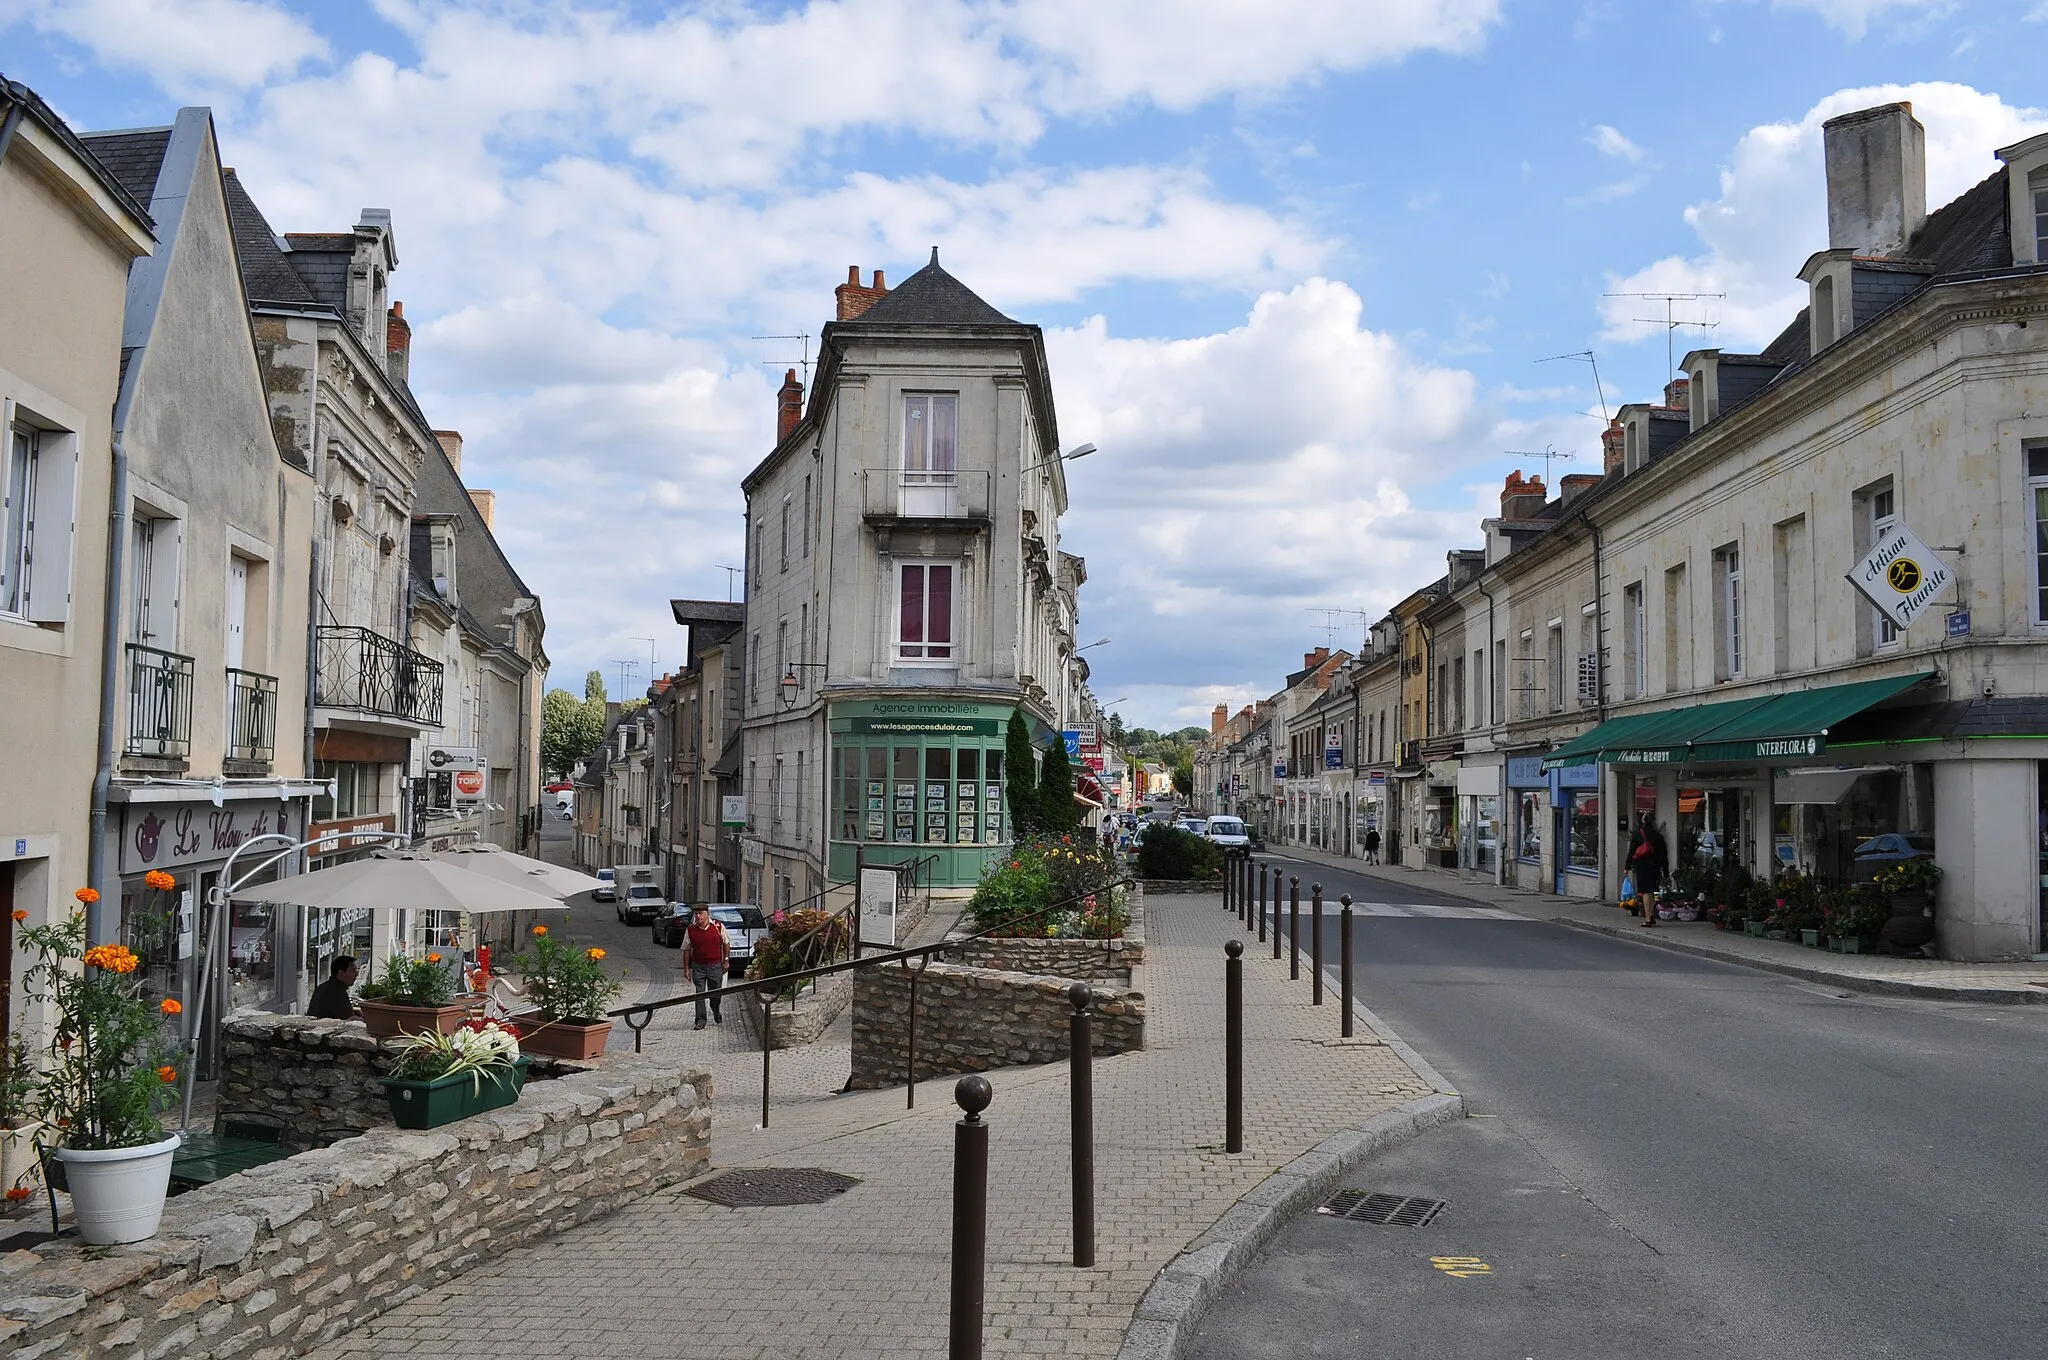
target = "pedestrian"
x: 1647, y: 859
x: 1372, y: 845
x: 706, y: 954
x: 330, y: 1000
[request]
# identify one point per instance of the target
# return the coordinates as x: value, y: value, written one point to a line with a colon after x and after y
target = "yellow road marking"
x: 1462, y: 1267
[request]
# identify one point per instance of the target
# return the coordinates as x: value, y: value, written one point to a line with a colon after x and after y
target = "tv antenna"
x: 1586, y: 356
x: 1330, y: 625
x: 652, y: 668
x: 804, y: 363
x: 1549, y: 455
x: 730, y: 572
x: 627, y: 666
x: 1670, y: 320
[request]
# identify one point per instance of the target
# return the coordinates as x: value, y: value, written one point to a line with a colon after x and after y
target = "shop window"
x: 924, y: 613
x: 1582, y: 831
x: 1529, y: 827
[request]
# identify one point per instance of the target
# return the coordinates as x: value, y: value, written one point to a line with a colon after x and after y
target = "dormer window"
x: 1823, y: 312
x: 2037, y: 190
x: 2026, y: 171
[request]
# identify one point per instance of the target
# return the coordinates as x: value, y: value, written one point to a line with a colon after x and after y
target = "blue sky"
x: 1297, y: 262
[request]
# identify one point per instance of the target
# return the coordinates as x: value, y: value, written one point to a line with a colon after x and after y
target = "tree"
x: 1184, y: 776
x: 1057, y: 811
x: 571, y: 729
x: 593, y: 687
x: 1020, y: 778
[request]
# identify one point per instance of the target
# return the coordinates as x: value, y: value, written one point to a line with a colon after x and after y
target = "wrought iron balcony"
x: 365, y: 672
x: 159, y: 704
x: 252, y: 715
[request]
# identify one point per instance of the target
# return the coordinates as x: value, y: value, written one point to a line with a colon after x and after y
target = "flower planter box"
x: 1850, y: 944
x: 1810, y: 938
x: 1774, y: 935
x: 1753, y: 927
x: 562, y: 1038
x: 430, y: 1104
x: 385, y: 1020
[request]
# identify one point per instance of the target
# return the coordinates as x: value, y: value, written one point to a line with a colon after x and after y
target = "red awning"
x: 1087, y: 789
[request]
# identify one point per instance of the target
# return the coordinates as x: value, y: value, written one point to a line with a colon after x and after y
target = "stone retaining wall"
x: 319, y: 1077
x: 275, y: 1261
x: 974, y: 1019
x: 827, y: 999
x: 1107, y: 961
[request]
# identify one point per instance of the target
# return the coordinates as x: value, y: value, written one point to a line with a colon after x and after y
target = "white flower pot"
x: 117, y: 1194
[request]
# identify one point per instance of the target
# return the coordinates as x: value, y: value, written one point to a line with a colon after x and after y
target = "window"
x: 929, y: 427
x: 775, y: 793
x: 785, y: 533
x: 1556, y: 659
x: 2037, y: 185
x: 924, y: 613
x: 1635, y: 655
x: 1823, y: 312
x: 804, y: 524
x: 1677, y: 630
x: 1630, y: 458
x: 754, y: 669
x: 1883, y: 516
x: 757, y: 554
x: 35, y: 571
x: 1458, y: 693
x: 1728, y: 613
x: 2037, y: 492
x: 1499, y: 681
x: 153, y: 578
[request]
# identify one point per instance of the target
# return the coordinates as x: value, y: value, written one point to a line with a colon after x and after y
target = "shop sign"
x: 1526, y: 772
x: 1376, y: 779
x: 1072, y: 737
x: 753, y: 851
x: 1575, y: 777
x: 1443, y: 772
x: 1085, y: 733
x: 172, y: 835
x: 1333, y: 750
x: 1279, y: 769
x: 1901, y: 575
x: 378, y: 821
x: 732, y: 810
x: 1666, y: 756
x: 1093, y: 760
x: 1795, y: 746
x: 926, y: 727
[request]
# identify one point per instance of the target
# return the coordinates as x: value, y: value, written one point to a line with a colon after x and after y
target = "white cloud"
x: 1854, y: 17
x: 1771, y: 211
x: 1609, y: 142
x: 189, y: 47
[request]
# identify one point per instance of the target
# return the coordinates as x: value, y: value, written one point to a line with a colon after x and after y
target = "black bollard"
x: 1344, y: 962
x: 767, y: 991
x: 1293, y: 927
x: 1276, y: 916
x: 1250, y: 906
x: 1081, y: 1093
x: 1233, y: 1047
x: 970, y: 1218
x: 1227, y: 902
x: 1315, y: 942
x: 1261, y: 900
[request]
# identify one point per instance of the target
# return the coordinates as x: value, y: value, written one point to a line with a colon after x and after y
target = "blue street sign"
x: 1959, y: 623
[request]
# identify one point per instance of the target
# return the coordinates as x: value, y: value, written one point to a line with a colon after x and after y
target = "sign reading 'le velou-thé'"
x: 1901, y: 575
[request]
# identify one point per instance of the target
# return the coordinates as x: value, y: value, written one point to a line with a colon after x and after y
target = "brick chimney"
x: 1521, y: 497
x: 1576, y: 485
x: 486, y: 503
x: 451, y: 444
x: 1613, y: 447
x: 854, y: 299
x: 397, y: 344
x: 1678, y: 394
x: 1311, y: 660
x: 789, y: 406
x: 1217, y: 717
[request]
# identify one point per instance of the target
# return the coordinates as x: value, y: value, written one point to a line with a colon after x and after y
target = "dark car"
x: 1893, y: 847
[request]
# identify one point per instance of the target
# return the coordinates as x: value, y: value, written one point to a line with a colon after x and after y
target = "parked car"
x: 745, y: 927
x: 1194, y: 826
x: 607, y: 889
x: 1893, y: 847
x: 644, y: 901
x: 1228, y: 834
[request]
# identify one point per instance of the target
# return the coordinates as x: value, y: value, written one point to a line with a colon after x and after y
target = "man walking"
x: 1372, y: 845
x: 705, y: 955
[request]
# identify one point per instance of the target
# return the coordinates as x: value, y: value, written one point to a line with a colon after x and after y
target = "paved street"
x: 865, y: 1274
x: 1672, y: 1156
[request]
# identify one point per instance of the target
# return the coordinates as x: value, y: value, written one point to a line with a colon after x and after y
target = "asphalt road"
x: 1672, y: 1157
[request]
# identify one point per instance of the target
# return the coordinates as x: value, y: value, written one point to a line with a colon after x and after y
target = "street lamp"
x: 1082, y: 452
x: 1099, y: 642
x: 790, y: 684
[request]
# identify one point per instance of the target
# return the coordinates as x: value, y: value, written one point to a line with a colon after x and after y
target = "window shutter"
x: 56, y: 515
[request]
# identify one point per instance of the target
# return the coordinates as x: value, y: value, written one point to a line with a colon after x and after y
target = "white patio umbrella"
x: 390, y: 880
x: 525, y: 871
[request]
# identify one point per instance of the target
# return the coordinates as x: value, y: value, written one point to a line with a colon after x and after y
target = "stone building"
x: 697, y: 738
x: 906, y: 592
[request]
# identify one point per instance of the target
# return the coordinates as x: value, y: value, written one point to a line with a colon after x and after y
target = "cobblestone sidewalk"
x: 1932, y: 978
x: 866, y: 1274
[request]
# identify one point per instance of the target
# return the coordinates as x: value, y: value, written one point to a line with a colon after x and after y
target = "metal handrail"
x: 363, y: 670
x: 252, y: 714
x: 159, y: 703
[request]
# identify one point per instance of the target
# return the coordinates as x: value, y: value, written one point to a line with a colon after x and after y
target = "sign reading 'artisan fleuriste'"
x: 1901, y: 575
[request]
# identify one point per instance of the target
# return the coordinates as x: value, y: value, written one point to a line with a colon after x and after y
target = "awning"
x: 1825, y: 787
x: 1770, y: 727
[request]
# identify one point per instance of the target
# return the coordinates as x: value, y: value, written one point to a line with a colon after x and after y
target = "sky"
x: 1304, y: 267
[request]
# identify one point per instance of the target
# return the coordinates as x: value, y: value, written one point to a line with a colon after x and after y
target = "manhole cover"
x: 765, y: 1186
x: 1392, y: 1211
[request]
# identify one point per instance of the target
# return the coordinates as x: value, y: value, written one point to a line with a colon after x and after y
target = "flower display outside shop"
x: 566, y: 981
x: 476, y: 1049
x: 1051, y: 886
x: 410, y: 981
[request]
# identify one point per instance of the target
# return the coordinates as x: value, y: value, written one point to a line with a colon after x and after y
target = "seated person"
x: 331, y: 999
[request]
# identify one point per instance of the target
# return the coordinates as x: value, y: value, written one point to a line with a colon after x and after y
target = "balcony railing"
x: 252, y: 715
x: 159, y: 704
x: 896, y: 495
x: 369, y: 673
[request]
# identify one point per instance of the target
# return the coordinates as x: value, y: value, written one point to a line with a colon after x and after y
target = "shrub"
x: 413, y: 982
x: 566, y: 981
x: 800, y: 940
x: 1169, y: 852
x: 1016, y: 895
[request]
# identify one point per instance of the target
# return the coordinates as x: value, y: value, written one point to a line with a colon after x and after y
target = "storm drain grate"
x: 764, y: 1186
x: 1390, y: 1211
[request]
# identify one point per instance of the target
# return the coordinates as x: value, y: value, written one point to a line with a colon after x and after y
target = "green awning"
x: 1765, y: 727
x: 1793, y: 726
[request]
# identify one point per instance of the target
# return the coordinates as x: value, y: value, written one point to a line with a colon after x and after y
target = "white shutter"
x: 56, y: 512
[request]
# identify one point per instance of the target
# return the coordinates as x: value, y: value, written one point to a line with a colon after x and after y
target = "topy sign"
x: 1901, y: 575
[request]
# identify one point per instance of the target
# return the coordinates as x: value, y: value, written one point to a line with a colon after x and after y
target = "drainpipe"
x: 1491, y: 716
x: 314, y: 572
x: 1599, y: 628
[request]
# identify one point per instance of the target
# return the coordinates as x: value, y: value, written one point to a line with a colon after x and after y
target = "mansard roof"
x: 931, y: 297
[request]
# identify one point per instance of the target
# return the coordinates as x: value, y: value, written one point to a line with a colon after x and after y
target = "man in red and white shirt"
x: 706, y: 955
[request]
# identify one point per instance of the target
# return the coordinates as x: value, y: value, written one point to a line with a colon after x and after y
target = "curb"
x: 1165, y: 1321
x: 1181, y: 1293
x: 1925, y: 991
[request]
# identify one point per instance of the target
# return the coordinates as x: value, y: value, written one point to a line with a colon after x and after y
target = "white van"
x: 1229, y: 835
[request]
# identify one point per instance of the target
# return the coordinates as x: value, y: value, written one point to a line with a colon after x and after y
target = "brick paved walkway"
x: 866, y: 1275
x: 2002, y: 981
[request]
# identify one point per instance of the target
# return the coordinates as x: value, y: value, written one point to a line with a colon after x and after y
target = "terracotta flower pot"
x: 384, y: 1020
x: 562, y: 1038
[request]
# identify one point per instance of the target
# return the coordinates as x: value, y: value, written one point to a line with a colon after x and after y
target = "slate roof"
x: 931, y: 297
x: 266, y: 271
x: 32, y: 106
x: 1967, y: 233
x: 133, y: 158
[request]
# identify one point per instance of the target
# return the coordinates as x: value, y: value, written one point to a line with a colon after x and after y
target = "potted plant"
x: 414, y: 996
x: 1911, y: 886
x: 570, y: 990
x: 110, y: 1069
x: 19, y: 1165
x: 439, y: 1078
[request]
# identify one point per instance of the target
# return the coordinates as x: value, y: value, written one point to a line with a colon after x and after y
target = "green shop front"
x: 918, y: 778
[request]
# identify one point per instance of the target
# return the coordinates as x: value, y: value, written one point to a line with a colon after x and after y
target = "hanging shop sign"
x: 1901, y: 575
x: 1333, y: 750
x: 172, y: 835
x: 732, y: 810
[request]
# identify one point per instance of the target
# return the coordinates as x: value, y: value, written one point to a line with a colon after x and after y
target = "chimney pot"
x: 789, y: 406
x: 1877, y: 179
x: 397, y: 344
x: 880, y: 287
x: 853, y: 299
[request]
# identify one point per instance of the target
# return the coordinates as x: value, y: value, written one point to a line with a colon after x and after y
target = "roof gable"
x: 133, y: 158
x: 931, y: 297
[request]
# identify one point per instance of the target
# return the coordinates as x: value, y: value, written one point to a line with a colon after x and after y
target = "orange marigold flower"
x: 594, y: 952
x: 20, y: 915
x: 18, y: 1193
x: 158, y: 879
x: 167, y: 1074
x: 540, y: 930
x: 113, y: 958
x: 87, y: 895
x: 170, y: 1006
x: 433, y: 958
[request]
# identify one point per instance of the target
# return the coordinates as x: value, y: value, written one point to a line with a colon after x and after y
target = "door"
x: 238, y: 609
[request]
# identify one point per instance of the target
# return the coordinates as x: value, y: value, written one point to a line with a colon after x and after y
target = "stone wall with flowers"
x: 1087, y: 960
x: 276, y: 1261
x: 317, y: 1077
